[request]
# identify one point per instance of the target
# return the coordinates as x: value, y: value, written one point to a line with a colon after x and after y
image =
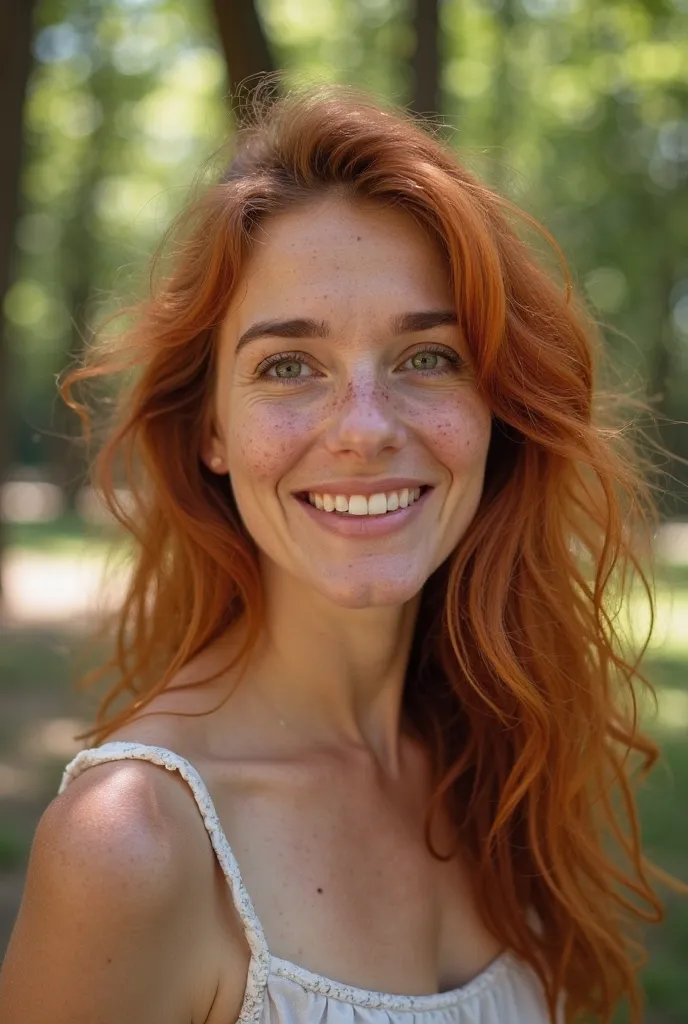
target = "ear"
x: 212, y: 452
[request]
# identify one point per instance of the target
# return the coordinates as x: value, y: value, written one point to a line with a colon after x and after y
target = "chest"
x: 344, y: 884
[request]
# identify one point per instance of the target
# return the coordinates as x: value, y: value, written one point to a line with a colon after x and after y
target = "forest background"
x: 576, y: 109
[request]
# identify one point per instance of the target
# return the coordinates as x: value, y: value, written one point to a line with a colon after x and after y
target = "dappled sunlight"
x: 670, y: 633
x: 69, y: 589
x: 18, y: 783
x: 672, y: 711
x: 52, y: 738
x: 30, y: 501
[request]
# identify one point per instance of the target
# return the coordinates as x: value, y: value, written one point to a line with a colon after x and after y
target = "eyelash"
x: 299, y: 357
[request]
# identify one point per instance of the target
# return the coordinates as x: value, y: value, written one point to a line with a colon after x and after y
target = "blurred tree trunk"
x: 16, y: 20
x: 83, y: 274
x: 661, y: 370
x: 247, y: 51
x: 80, y: 274
x: 504, y: 109
x: 425, y: 62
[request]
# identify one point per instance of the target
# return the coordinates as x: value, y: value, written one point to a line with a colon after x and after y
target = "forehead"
x: 340, y: 254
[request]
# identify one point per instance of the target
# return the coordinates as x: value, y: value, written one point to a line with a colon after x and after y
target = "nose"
x: 366, y: 422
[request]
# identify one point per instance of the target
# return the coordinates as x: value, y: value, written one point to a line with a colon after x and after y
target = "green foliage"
x: 126, y: 100
x: 14, y: 848
x: 68, y: 533
x: 665, y: 832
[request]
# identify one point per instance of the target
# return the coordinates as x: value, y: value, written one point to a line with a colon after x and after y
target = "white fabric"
x: 279, y: 992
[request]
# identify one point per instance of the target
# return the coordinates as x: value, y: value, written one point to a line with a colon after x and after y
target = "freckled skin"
x: 359, y: 407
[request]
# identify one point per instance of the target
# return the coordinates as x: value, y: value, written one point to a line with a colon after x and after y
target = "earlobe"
x: 212, y: 450
x: 212, y: 446
x: 214, y: 461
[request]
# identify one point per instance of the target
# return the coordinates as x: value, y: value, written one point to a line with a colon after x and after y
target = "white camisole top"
x: 279, y: 992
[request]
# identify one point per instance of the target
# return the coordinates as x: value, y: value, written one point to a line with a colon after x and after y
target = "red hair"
x: 519, y: 678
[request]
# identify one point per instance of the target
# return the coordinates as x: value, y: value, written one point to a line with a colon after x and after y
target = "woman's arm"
x: 110, y: 929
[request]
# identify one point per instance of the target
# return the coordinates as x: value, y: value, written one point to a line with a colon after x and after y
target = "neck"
x: 333, y: 675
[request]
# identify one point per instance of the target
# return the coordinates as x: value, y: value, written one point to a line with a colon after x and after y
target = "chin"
x: 360, y: 593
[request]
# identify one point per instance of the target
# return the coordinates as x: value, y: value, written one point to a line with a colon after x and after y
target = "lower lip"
x: 365, y: 526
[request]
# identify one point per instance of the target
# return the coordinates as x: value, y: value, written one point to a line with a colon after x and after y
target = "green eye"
x: 285, y: 367
x: 425, y: 361
x: 431, y: 362
x: 288, y: 368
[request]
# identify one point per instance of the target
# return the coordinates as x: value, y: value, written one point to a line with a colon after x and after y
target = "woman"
x: 375, y: 527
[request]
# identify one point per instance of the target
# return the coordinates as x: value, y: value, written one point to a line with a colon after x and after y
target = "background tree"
x: 425, y: 62
x: 16, y: 17
x: 245, y: 45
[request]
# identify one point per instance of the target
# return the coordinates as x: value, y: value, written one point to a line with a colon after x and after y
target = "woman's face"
x: 342, y: 375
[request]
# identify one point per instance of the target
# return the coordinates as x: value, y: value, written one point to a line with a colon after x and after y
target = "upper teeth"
x: 359, y: 505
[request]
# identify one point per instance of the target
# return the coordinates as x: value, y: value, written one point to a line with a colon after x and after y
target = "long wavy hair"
x: 521, y: 679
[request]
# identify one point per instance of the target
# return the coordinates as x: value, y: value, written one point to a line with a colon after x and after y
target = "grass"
x: 663, y: 805
x: 66, y: 535
x: 14, y: 847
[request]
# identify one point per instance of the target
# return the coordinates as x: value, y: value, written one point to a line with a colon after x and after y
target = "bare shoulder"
x: 114, y: 914
x: 127, y: 822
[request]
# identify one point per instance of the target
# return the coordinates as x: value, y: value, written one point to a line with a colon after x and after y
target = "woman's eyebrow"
x: 300, y: 327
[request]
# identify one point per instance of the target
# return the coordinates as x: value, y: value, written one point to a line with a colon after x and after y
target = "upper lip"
x: 363, y: 486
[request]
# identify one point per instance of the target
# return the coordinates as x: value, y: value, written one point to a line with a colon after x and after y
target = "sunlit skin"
x: 363, y: 402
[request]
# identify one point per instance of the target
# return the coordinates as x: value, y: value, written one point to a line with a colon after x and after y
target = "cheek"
x: 457, y: 432
x: 265, y: 438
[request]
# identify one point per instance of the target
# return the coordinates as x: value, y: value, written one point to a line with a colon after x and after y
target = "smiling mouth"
x: 357, y: 505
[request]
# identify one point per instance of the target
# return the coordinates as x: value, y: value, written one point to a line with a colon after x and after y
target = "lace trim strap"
x: 260, y: 956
